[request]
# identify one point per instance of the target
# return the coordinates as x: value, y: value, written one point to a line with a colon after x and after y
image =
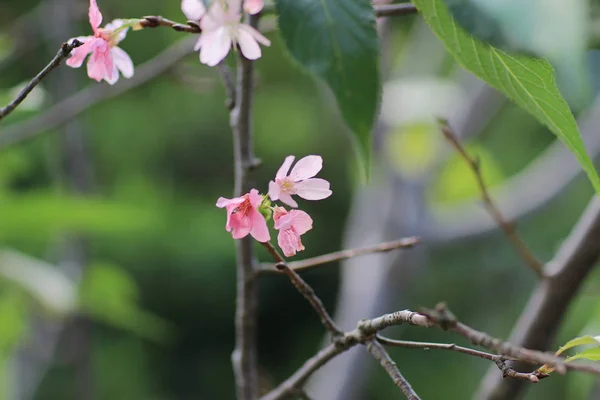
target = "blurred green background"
x: 151, y: 312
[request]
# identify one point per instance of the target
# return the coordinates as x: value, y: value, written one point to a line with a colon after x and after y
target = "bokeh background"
x: 118, y: 278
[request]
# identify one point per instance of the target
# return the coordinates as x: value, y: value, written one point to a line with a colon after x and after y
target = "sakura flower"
x: 253, y: 6
x: 291, y: 225
x: 243, y: 216
x: 222, y: 28
x: 300, y: 181
x: 106, y: 59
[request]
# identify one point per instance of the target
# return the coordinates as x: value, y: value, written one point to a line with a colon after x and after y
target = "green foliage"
x: 580, y: 341
x: 529, y: 82
x: 592, y: 354
x: 336, y: 40
x: 109, y: 294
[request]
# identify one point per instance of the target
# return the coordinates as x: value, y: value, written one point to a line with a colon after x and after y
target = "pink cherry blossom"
x: 253, y: 6
x: 291, y: 225
x: 106, y: 58
x: 300, y: 181
x: 222, y: 29
x: 243, y: 217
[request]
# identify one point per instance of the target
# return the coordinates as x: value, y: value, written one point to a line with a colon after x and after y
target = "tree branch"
x: 405, y: 243
x: 381, y: 355
x: 154, y: 21
x: 548, y: 304
x: 244, y: 357
x: 507, y: 227
x: 69, y: 108
x: 394, y: 10
x: 63, y: 52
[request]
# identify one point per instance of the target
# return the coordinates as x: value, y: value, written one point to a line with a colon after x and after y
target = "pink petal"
x: 215, y: 46
x: 283, y: 221
x: 122, y: 61
x: 313, y: 189
x: 241, y: 226
x: 259, y: 230
x: 253, y: 6
x: 113, y: 26
x: 95, y: 15
x: 255, y: 198
x: 289, y: 242
x: 79, y: 54
x: 301, y: 221
x: 100, y: 62
x: 114, y: 75
x: 193, y: 9
x: 215, y: 18
x: 306, y: 167
x: 255, y: 34
x: 285, y: 198
x: 285, y: 167
x: 274, y: 190
x: 223, y: 202
x: 248, y: 45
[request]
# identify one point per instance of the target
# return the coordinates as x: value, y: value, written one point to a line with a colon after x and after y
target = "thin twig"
x: 506, y: 226
x: 500, y: 361
x: 154, y: 21
x: 69, y: 108
x: 405, y: 243
x: 244, y: 357
x: 395, y: 10
x: 381, y: 355
x: 229, y: 82
x: 63, y: 52
x: 306, y: 291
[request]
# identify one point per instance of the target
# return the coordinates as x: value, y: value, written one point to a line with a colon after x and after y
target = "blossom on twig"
x: 244, y: 217
x: 106, y: 59
x: 291, y: 225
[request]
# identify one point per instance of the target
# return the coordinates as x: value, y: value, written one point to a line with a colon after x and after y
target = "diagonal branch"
x: 381, y: 355
x: 506, y: 226
x: 63, y: 52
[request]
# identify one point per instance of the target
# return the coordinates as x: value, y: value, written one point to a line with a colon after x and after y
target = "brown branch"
x: 244, y: 357
x: 405, y: 243
x: 229, y: 82
x: 306, y: 291
x: 69, y: 108
x: 506, y: 226
x: 381, y: 355
x: 541, y: 318
x: 395, y: 10
x: 63, y: 52
x: 499, y: 361
x: 154, y: 21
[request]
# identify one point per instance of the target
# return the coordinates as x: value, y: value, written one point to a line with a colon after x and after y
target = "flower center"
x: 244, y: 208
x: 287, y: 185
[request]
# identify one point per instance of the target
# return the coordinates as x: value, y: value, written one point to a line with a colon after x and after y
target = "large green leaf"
x: 592, y: 354
x: 336, y: 40
x: 529, y: 82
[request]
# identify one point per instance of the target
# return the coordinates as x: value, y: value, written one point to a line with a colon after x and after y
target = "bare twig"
x: 306, y: 291
x: 229, y: 82
x: 548, y: 304
x: 394, y: 10
x: 244, y: 356
x: 65, y: 110
x: 153, y: 21
x: 63, y: 52
x: 405, y: 243
x: 506, y: 226
x: 381, y: 355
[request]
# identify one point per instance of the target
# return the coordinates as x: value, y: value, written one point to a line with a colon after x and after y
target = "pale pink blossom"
x: 106, y: 58
x: 243, y: 217
x: 291, y: 225
x: 253, y: 6
x: 300, y: 181
x: 222, y: 29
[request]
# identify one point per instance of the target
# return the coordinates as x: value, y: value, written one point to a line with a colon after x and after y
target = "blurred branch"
x: 154, y: 21
x: 381, y: 355
x: 507, y: 227
x: 528, y: 191
x: 405, y: 243
x: 65, y: 110
x: 244, y: 357
x: 229, y: 82
x: 548, y: 303
x: 394, y: 10
x: 63, y: 52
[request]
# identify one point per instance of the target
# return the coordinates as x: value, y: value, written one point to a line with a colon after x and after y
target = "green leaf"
x: 580, y: 341
x: 592, y: 354
x: 336, y: 41
x: 527, y: 81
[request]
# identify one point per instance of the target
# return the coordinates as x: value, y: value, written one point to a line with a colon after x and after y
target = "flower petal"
x: 274, y: 190
x: 259, y: 230
x: 289, y: 242
x: 301, y: 221
x: 306, y: 167
x: 285, y: 198
x: 215, y: 18
x: 79, y: 54
x: 241, y: 226
x: 253, y: 6
x: 255, y: 34
x: 313, y: 189
x: 100, y: 64
x: 114, y: 75
x: 95, y: 15
x: 285, y: 167
x: 214, y: 47
x: 248, y: 44
x: 113, y: 26
x: 223, y: 202
x: 122, y: 61
x: 193, y: 9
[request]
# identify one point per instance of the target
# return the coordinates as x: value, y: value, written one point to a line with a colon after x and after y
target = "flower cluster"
x: 222, y: 29
x: 248, y: 214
